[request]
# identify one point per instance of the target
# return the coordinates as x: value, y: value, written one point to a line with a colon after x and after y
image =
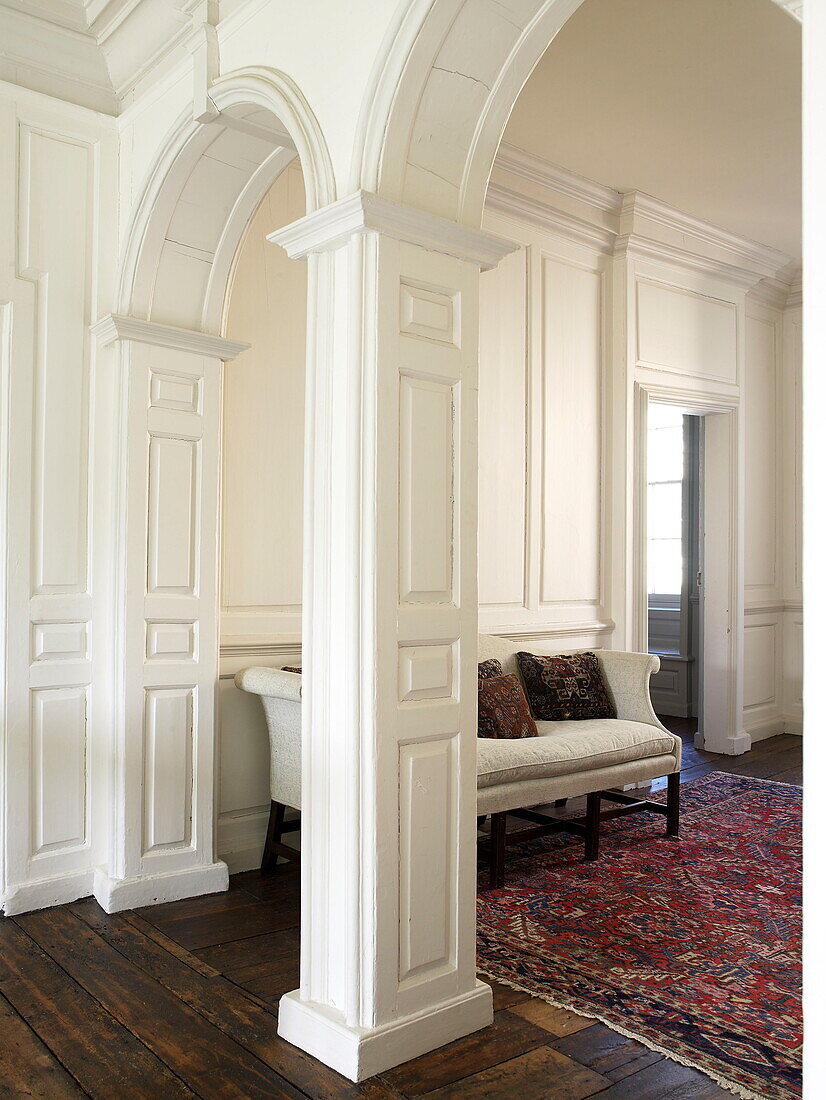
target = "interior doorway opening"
x: 690, y: 557
x: 674, y: 562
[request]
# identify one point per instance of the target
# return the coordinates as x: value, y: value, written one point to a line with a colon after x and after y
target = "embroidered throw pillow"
x: 565, y: 688
x: 503, y: 708
x: 489, y: 668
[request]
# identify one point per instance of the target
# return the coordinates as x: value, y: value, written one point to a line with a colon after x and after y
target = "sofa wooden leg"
x: 497, y: 850
x: 672, y: 827
x: 592, y: 826
x: 275, y: 828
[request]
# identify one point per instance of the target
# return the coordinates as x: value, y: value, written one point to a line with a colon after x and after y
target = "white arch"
x: 442, y: 93
x: 259, y: 109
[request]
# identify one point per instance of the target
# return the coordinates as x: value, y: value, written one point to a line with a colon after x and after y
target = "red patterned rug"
x: 690, y: 946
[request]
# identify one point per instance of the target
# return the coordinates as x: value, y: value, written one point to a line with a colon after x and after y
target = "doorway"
x: 689, y: 557
x: 673, y: 559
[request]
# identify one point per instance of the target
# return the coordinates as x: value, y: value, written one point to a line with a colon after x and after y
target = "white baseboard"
x: 728, y: 746
x: 113, y: 895
x: 240, y: 839
x: 359, y: 1053
x: 43, y: 893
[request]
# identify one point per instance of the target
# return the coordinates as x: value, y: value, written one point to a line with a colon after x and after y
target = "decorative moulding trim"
x: 553, y: 630
x: 530, y: 167
x: 502, y: 200
x: 363, y: 212
x: 116, y: 326
x: 260, y: 649
x: 779, y: 608
x: 644, y: 247
x: 746, y: 254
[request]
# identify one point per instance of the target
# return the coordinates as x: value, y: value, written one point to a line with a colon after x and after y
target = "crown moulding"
x: 364, y: 212
x: 116, y: 327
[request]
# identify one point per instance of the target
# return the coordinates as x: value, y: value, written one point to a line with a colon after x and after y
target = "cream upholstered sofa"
x: 567, y: 759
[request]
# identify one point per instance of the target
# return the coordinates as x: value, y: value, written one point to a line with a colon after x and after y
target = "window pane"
x: 664, y: 416
x: 665, y: 511
x: 665, y: 454
x: 665, y: 566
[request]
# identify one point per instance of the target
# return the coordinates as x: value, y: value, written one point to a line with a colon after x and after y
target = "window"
x: 665, y: 503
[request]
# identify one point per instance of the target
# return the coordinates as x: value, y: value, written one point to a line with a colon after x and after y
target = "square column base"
x: 113, y: 895
x: 359, y: 1053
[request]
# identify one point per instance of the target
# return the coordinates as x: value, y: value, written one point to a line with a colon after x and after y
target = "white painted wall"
x: 56, y: 193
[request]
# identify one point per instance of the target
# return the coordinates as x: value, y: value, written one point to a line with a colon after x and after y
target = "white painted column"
x: 390, y: 620
x: 168, y: 478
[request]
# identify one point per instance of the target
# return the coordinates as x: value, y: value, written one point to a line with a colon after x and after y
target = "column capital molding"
x: 115, y: 326
x: 363, y: 212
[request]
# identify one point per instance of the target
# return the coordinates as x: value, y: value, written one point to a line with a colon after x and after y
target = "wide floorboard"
x: 180, y: 1000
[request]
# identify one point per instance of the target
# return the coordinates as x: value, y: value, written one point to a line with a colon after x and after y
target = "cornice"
x: 503, y: 200
x: 793, y: 7
x: 114, y: 327
x: 634, y: 244
x: 363, y: 212
x: 745, y: 254
x: 530, y: 167
x: 778, y: 293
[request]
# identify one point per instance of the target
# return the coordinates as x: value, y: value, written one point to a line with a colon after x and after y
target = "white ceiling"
x: 695, y: 102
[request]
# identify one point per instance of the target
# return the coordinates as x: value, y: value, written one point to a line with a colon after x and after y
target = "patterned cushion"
x: 292, y: 668
x: 489, y: 668
x: 565, y: 688
x: 503, y: 708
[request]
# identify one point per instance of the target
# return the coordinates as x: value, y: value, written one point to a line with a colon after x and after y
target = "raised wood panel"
x: 59, y: 730
x: 263, y: 427
x: 60, y: 641
x: 761, y: 530
x: 431, y: 314
x: 427, y: 672
x: 173, y: 519
x: 503, y: 400
x: 168, y: 747
x: 55, y: 232
x: 427, y: 845
x: 178, y: 392
x: 761, y: 664
x: 571, y: 433
x: 171, y: 641
x: 427, y: 416
x: 687, y: 332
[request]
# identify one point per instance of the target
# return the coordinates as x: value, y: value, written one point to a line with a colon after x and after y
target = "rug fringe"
x: 569, y: 1006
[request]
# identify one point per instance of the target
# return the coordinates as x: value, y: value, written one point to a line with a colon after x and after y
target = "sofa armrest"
x: 272, y: 682
x: 627, y: 677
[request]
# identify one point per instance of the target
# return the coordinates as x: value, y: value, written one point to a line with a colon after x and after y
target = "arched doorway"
x: 188, y: 223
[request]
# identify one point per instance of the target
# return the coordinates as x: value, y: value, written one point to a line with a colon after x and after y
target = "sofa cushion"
x: 489, y: 668
x: 563, y: 748
x: 567, y: 687
x: 503, y: 708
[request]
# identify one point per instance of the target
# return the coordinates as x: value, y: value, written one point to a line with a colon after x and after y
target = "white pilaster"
x: 168, y: 478
x: 389, y: 653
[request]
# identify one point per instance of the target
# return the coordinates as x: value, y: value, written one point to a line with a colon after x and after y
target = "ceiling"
x: 695, y: 102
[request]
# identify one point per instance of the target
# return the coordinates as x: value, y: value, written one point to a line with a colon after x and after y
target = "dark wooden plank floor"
x: 180, y: 1000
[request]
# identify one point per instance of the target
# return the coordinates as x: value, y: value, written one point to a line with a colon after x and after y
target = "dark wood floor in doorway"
x: 180, y: 1000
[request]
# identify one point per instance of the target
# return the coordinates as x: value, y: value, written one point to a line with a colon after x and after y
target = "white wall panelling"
x: 56, y: 186
x: 543, y: 366
x: 168, y: 475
